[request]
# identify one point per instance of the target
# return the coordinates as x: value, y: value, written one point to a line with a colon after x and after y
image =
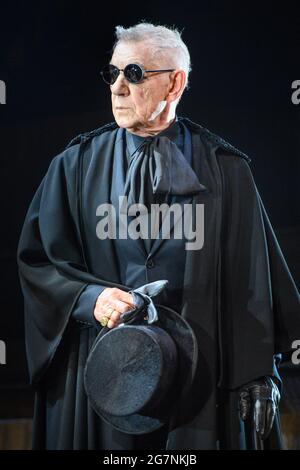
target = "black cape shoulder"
x: 87, y: 136
x: 210, y: 137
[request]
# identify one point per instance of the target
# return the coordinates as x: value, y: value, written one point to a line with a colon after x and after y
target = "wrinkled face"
x: 134, y: 104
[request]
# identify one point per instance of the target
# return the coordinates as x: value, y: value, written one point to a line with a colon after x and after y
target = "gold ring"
x: 109, y: 311
x: 104, y: 320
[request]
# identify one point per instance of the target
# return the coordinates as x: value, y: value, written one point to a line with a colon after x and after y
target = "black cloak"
x: 239, y: 296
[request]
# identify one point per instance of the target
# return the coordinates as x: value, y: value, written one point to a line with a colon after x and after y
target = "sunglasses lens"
x: 133, y: 73
x: 110, y: 74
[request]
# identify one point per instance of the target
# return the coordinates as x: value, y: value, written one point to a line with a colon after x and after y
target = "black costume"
x: 236, y: 292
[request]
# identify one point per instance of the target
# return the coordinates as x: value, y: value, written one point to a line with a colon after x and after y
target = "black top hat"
x: 138, y: 371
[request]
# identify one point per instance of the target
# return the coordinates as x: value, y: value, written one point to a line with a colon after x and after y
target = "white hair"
x: 163, y: 39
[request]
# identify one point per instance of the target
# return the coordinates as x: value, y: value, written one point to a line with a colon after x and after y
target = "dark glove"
x: 258, y: 400
x: 144, y: 306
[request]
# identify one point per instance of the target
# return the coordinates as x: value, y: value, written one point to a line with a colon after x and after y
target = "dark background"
x: 244, y: 58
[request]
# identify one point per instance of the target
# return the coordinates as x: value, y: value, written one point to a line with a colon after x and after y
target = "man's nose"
x: 120, y: 86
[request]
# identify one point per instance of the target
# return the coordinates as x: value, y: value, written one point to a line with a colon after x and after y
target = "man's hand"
x: 111, y: 303
x: 259, y: 401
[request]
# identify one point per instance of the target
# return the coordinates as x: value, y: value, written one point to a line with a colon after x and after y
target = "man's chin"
x: 122, y: 123
x: 125, y: 123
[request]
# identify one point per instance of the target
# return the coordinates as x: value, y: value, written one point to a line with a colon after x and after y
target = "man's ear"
x: 176, y: 86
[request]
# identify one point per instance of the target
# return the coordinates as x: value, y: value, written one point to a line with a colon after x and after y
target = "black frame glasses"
x: 133, y: 73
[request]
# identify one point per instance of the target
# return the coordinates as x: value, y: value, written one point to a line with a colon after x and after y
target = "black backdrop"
x: 244, y: 58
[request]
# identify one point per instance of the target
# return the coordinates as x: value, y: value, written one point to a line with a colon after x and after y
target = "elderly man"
x: 90, y: 237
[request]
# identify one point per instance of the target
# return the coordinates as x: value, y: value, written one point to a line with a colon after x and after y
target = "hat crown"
x: 135, y: 374
x: 137, y: 369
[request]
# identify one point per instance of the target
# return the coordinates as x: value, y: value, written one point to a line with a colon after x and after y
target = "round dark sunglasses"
x: 133, y: 73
